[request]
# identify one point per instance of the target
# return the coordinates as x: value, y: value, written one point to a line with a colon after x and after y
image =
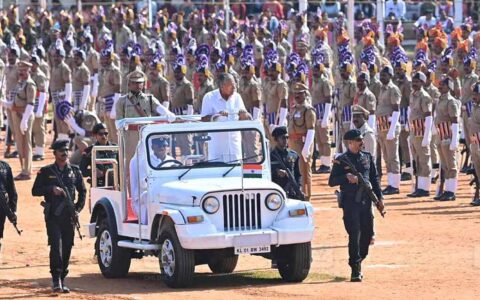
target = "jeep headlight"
x: 211, y: 205
x: 273, y: 201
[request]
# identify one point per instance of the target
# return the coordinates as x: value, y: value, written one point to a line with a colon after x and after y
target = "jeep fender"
x: 166, y: 215
x: 104, y: 207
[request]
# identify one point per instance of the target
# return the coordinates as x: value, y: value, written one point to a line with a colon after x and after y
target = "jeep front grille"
x: 242, y: 212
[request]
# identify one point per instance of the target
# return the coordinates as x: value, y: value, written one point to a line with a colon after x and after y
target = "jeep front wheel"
x: 223, y: 265
x: 294, y: 261
x: 176, y: 264
x: 113, y: 261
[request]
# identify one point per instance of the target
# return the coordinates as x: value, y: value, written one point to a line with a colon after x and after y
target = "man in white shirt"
x: 397, y: 7
x: 224, y: 104
x: 428, y: 19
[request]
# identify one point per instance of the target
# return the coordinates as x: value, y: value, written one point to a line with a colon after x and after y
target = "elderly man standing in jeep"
x: 224, y: 104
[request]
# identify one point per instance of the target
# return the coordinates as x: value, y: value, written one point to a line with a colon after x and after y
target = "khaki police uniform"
x: 110, y: 79
x: 420, y: 106
x: 322, y: 91
x: 205, y: 88
x: 301, y: 120
x: 375, y: 86
x: 405, y: 87
x: 468, y: 81
x: 474, y: 129
x: 11, y: 79
x: 182, y: 96
x: 434, y: 93
x: 369, y: 138
x: 135, y: 106
x: 274, y: 92
x: 24, y: 95
x: 251, y: 93
x: 39, y: 129
x: 80, y: 78
x: 346, y: 93
x: 60, y: 75
x: 389, y: 95
x: 122, y: 36
x: 446, y: 109
x: 159, y: 87
x: 93, y: 65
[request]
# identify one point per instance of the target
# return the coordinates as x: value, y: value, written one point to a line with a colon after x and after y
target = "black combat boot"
x: 65, y: 289
x: 356, y: 273
x: 56, y: 285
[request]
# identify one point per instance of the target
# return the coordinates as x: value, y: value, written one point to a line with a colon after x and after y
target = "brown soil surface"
x: 424, y: 249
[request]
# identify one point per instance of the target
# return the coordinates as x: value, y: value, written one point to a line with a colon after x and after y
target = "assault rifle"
x: 8, y: 212
x: 298, y: 193
x: 70, y: 206
x: 364, y: 186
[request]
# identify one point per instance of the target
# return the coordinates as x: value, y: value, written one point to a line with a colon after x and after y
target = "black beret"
x: 162, y: 142
x: 98, y: 127
x: 62, y: 144
x: 388, y: 70
x: 352, y: 135
x: 279, y: 131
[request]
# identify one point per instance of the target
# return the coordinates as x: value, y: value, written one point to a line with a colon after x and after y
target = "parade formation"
x: 197, y: 134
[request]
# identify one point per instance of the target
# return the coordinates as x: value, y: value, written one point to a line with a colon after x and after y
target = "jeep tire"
x: 223, y: 264
x: 294, y: 261
x: 177, y: 265
x: 114, y: 261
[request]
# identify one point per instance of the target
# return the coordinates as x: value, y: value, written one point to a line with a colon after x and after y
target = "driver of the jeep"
x: 160, y: 152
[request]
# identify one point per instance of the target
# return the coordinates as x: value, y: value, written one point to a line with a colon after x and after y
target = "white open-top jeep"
x: 205, y: 206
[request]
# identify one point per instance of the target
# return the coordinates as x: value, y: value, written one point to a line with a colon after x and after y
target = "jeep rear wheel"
x: 113, y: 261
x: 223, y: 264
x: 294, y: 261
x: 176, y: 264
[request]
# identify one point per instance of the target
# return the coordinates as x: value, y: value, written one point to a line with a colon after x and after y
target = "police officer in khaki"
x: 301, y: 130
x: 249, y: 87
x: 468, y: 80
x: 39, y: 126
x: 359, y: 118
x: 434, y: 93
x: 22, y: 118
x: 474, y: 128
x: 182, y: 102
x: 158, y: 85
x: 346, y: 94
x: 388, y: 128
x: 404, y: 84
x: 447, y: 114
x: 420, y: 127
x: 137, y: 104
x: 322, y: 95
x: 205, y: 80
x: 365, y: 98
x: 80, y: 81
x: 275, y: 95
x: 60, y: 88
x: 93, y: 64
x: 11, y: 79
x: 108, y: 92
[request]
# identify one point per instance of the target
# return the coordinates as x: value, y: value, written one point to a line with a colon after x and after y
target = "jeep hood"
x: 191, y: 191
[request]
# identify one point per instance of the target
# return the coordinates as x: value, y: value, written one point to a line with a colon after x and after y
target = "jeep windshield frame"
x: 206, y: 163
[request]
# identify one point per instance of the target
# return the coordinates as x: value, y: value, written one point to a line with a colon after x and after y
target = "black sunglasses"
x: 103, y: 133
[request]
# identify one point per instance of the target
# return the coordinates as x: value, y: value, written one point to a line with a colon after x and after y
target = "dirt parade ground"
x: 424, y: 249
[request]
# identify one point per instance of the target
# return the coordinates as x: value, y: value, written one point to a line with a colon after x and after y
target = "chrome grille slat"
x: 242, y: 211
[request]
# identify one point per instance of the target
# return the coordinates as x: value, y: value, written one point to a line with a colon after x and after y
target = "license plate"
x: 252, y: 249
